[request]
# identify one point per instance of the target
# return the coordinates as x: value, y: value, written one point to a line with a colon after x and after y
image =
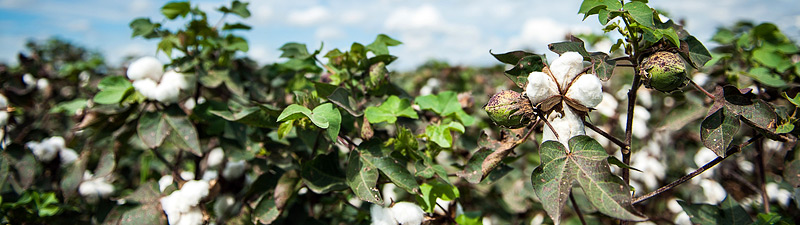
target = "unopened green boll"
x: 663, y: 71
x: 509, y: 109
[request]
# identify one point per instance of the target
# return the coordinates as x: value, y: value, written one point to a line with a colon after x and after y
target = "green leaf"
x: 792, y: 173
x: 362, y: 177
x: 381, y: 44
x: 729, y: 212
x: 70, y: 107
x: 602, y: 65
x: 591, y: 7
x: 640, y: 12
x: 238, y: 8
x: 323, y: 174
x: 682, y: 115
x: 106, y: 164
x: 511, y: 57
x: 440, y: 134
x: 146, y: 193
x: 717, y: 131
x: 519, y: 73
x: 293, y: 112
x: 568, y: 46
x: 766, y: 77
x: 795, y: 101
x: 267, y: 210
x: 445, y: 103
x: 585, y: 163
x: 390, y: 109
x: 472, y: 170
x: 235, y: 43
x: 143, y: 27
x: 257, y: 116
x: 372, y: 153
x: 470, y: 218
x: 330, y: 115
x: 155, y: 127
x: 174, y: 9
x: 113, y: 89
x: 294, y: 50
x: 433, y: 191
x: 753, y: 111
x: 620, y: 164
x: 697, y: 54
x: 341, y: 97
x: 236, y: 26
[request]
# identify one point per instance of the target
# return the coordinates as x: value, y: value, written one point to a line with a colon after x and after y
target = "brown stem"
x: 626, y: 152
x: 701, y: 89
x: 577, y: 209
x: 687, y: 177
x: 616, y: 141
x: 761, y: 176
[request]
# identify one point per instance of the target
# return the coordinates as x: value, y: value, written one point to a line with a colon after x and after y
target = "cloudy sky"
x: 457, y: 31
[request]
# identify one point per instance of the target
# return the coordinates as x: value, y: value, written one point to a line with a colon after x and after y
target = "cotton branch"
x: 731, y: 151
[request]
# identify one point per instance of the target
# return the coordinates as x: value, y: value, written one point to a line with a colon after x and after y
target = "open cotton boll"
x: 215, y: 157
x: 187, y: 175
x: 587, y: 90
x: 566, y: 67
x: 381, y: 216
x: 68, y: 156
x: 29, y: 80
x: 3, y: 117
x: 210, y: 175
x: 703, y: 156
x: 608, y: 106
x: 147, y: 87
x: 234, y: 169
x: 3, y: 102
x: 193, y: 217
x: 175, y: 80
x: 95, y: 188
x: 145, y: 67
x: 42, y: 84
x: 44, y: 151
x: 164, y: 182
x: 567, y: 125
x: 775, y: 193
x: 540, y: 87
x: 406, y: 213
x: 652, y: 169
x: 713, y: 191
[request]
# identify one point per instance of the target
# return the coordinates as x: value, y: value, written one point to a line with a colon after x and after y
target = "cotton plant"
x: 565, y: 93
x: 183, y: 206
x: 150, y: 79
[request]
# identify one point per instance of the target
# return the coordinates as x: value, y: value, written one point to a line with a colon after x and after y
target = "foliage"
x: 320, y: 137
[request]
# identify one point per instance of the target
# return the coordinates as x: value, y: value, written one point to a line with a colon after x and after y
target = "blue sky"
x: 457, y: 31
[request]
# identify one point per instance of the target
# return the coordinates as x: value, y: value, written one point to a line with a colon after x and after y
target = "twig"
x: 701, y: 89
x: 626, y: 152
x: 577, y: 209
x: 607, y: 135
x: 687, y: 177
x: 761, y: 176
x: 627, y: 58
x: 447, y: 214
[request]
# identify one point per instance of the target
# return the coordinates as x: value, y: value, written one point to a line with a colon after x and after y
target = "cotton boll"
x: 639, y: 123
x: 147, y: 87
x: 407, y: 213
x: 775, y: 193
x: 540, y: 87
x: 193, y: 217
x: 3, y: 117
x: 189, y: 103
x: 234, y: 169
x: 175, y: 80
x: 388, y: 193
x: 682, y: 219
x: 381, y: 216
x: 223, y: 205
x: 68, y: 156
x: 42, y: 151
x: 700, y: 78
x: 145, y: 67
x: 96, y: 188
x: 3, y: 102
x: 566, y: 67
x: 42, y: 84
x: 215, y: 157
x: 210, y: 175
x: 713, y: 191
x: 652, y: 169
x: 587, y: 90
x: 29, y: 80
x: 608, y: 106
x: 187, y: 175
x: 673, y: 206
x: 538, y: 219
x: 567, y: 126
x: 164, y: 182
x: 167, y: 93
x: 173, y: 207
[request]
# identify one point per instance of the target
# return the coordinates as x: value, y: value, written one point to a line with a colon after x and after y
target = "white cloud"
x: 308, y: 17
x: 79, y: 25
x: 424, y: 18
x: 538, y: 32
x: 140, y: 6
x: 352, y: 17
x: 261, y: 12
x: 14, y: 3
x: 328, y: 33
x: 262, y: 54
